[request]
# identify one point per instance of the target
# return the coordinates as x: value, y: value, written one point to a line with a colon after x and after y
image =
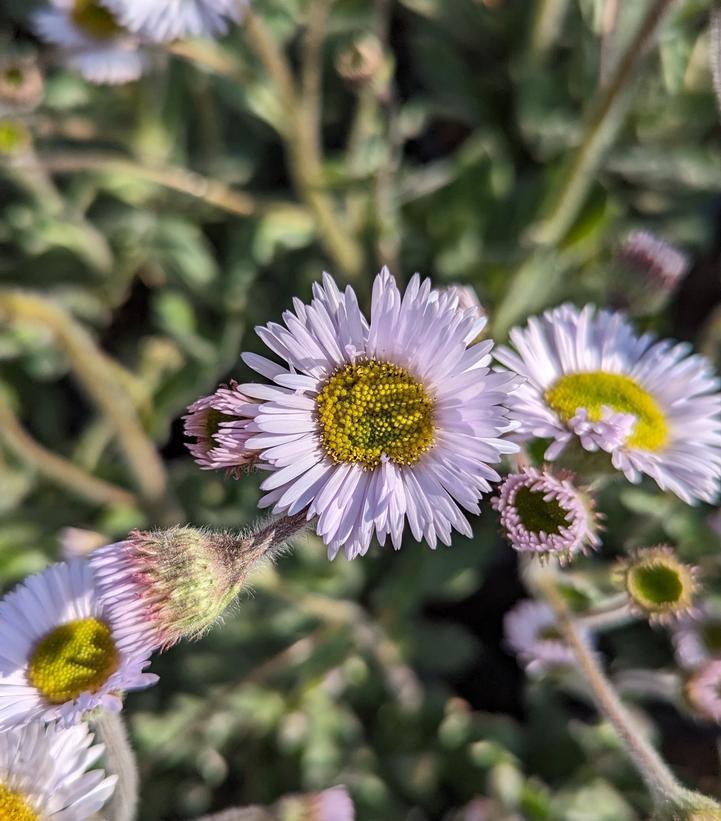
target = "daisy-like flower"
x: 63, y: 651
x: 44, y: 774
x: 703, y: 690
x: 92, y: 40
x: 161, y: 21
x: 649, y: 404
x: 219, y: 425
x: 697, y: 639
x: 660, y: 587
x: 532, y: 635
x: 375, y: 423
x: 546, y: 515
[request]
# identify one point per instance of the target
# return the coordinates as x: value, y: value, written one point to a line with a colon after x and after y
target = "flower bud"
x: 360, y: 63
x: 186, y: 577
x: 660, y: 587
x: 21, y: 84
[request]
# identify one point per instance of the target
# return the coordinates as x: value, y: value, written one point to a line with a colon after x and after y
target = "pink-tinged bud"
x: 186, y: 577
x: 221, y: 424
x: 661, y: 264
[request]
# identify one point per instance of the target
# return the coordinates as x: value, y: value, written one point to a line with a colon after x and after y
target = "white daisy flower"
x: 43, y: 774
x: 375, y: 423
x: 92, y: 41
x: 162, y: 21
x: 63, y: 651
x: 649, y: 404
x: 532, y: 634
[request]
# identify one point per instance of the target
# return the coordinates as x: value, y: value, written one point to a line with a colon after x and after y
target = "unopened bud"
x: 21, y: 84
x: 186, y: 577
x: 360, y: 63
x: 659, y: 586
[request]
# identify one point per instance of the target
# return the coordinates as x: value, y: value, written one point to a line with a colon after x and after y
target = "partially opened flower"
x: 44, y: 774
x: 63, y: 651
x: 649, y: 404
x: 375, y: 423
x: 219, y: 425
x: 703, y: 690
x: 546, y: 514
x: 659, y: 586
x: 532, y: 634
x: 697, y: 639
x: 183, y: 579
x: 161, y: 21
x: 92, y: 40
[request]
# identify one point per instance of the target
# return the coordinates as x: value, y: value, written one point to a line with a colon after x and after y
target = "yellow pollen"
x: 622, y: 394
x: 95, y: 20
x: 13, y: 807
x: 373, y: 409
x: 77, y: 657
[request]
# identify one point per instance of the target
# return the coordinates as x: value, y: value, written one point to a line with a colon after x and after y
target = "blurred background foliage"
x: 145, y: 231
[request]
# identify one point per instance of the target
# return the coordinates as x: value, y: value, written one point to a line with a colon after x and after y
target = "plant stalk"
x: 120, y: 759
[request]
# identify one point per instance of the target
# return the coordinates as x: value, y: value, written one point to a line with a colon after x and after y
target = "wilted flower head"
x: 21, y: 83
x: 183, y: 579
x: 545, y: 514
x: 655, y: 258
x: 43, y: 774
x: 161, y: 21
x: 92, y: 40
x: 532, y: 634
x: 589, y: 376
x: 703, y: 690
x: 219, y: 424
x: 697, y: 638
x: 659, y: 586
x: 375, y: 423
x: 64, y: 650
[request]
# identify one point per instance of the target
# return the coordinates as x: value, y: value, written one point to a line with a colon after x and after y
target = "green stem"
x: 120, y: 761
x: 547, y: 24
x: 607, y: 114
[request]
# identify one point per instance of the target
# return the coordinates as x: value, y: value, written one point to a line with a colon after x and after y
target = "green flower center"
x: 538, y: 514
x: 77, y: 657
x: 622, y: 394
x: 549, y: 633
x: 13, y: 77
x: 14, y: 807
x: 95, y: 20
x: 213, y: 420
x: 656, y: 585
x: 372, y: 409
x: 711, y: 637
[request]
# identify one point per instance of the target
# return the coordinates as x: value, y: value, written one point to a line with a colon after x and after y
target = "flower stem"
x: 120, y: 759
x: 667, y: 793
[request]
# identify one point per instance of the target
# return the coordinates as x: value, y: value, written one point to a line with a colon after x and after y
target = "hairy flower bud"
x: 660, y: 587
x: 186, y: 577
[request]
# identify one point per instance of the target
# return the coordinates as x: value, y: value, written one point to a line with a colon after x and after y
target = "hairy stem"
x: 55, y: 468
x: 303, y: 150
x: 96, y: 373
x: 604, y: 121
x: 120, y: 761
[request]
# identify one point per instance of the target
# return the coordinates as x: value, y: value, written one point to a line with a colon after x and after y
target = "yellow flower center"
x: 77, y: 657
x: 14, y: 136
x: 373, y: 409
x: 94, y: 20
x: 622, y: 394
x: 13, y: 807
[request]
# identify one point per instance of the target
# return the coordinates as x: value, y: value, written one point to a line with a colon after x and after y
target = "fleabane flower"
x: 375, y: 423
x: 589, y: 376
x: 697, y: 638
x: 219, y: 425
x: 660, y: 587
x: 546, y: 514
x: 183, y: 579
x: 63, y: 651
x: 532, y: 634
x: 44, y: 774
x: 161, y: 21
x: 92, y: 40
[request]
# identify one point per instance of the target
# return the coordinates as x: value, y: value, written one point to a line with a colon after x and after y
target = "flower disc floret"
x: 73, y: 658
x: 598, y: 390
x: 95, y: 20
x: 14, y: 807
x: 374, y: 409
